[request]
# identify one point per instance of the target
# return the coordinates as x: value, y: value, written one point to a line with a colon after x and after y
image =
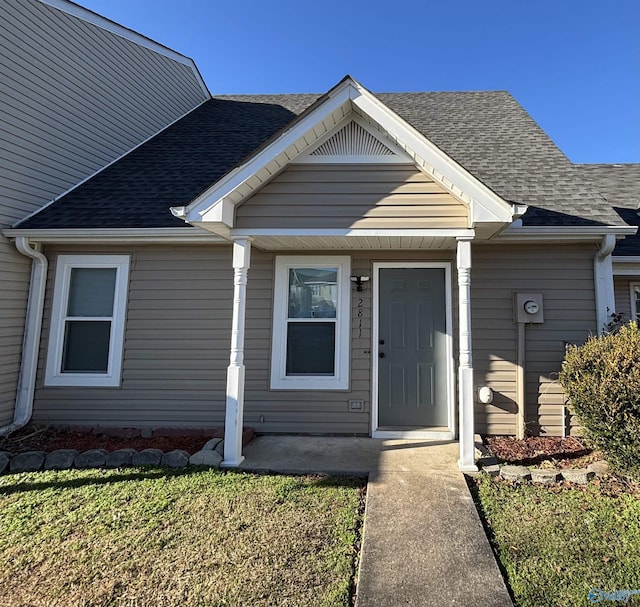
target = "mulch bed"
x: 50, y: 439
x: 568, y: 452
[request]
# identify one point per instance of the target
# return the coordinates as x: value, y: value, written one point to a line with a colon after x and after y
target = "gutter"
x: 519, y: 233
x: 187, y: 234
x: 31, y: 341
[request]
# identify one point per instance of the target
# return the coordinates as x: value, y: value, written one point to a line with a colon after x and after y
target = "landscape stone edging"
x: 545, y: 476
x: 65, y: 459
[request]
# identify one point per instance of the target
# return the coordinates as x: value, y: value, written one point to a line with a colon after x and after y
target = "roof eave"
x: 485, y: 205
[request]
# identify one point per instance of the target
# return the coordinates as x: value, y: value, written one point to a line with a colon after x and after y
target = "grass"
x: 156, y: 538
x: 556, y: 545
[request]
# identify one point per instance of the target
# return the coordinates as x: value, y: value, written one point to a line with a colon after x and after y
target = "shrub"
x: 602, y: 382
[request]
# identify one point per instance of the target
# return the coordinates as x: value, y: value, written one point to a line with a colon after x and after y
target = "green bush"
x: 602, y: 382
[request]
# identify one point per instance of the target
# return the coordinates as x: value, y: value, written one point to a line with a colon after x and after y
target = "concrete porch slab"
x: 423, y: 543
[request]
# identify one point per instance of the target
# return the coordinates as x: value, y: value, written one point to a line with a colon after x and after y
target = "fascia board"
x: 490, y: 207
x: 117, y: 235
x: 567, y: 233
x: 397, y: 232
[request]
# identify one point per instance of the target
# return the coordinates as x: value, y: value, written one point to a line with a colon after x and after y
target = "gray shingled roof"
x: 488, y: 133
x: 620, y: 185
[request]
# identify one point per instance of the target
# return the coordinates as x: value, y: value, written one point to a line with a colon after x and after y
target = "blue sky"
x: 573, y: 64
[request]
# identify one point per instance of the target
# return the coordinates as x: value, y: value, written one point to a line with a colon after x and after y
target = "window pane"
x: 313, y: 292
x: 91, y: 292
x: 636, y: 296
x: 86, y: 346
x: 311, y: 348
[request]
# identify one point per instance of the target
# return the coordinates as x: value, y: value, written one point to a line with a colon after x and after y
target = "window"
x: 635, y: 300
x: 310, y: 349
x: 87, y: 320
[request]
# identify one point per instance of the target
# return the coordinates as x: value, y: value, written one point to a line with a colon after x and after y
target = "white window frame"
x: 279, y: 378
x: 53, y: 372
x: 632, y: 294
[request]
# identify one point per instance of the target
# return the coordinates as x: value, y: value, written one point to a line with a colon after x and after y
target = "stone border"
x: 544, y: 476
x: 210, y: 455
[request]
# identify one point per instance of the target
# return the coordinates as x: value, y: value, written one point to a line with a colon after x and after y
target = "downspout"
x: 603, y: 279
x: 31, y: 341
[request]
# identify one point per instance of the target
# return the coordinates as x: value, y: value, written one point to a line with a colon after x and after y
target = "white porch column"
x: 603, y: 278
x: 235, y: 371
x: 466, y: 462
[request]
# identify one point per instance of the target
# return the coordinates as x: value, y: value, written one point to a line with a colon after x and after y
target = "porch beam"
x: 466, y: 462
x: 234, y: 412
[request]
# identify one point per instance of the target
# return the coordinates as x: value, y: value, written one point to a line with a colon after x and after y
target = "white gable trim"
x: 485, y: 205
x: 304, y: 134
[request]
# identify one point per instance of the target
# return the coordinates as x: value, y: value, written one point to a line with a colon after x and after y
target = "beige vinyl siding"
x: 176, y: 346
x: 14, y: 280
x: 178, y: 333
x: 75, y: 97
x: 176, y: 350
x: 564, y: 276
x: 352, y: 196
x: 622, y: 290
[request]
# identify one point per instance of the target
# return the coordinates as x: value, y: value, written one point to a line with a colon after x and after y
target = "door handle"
x: 381, y: 354
x: 381, y: 342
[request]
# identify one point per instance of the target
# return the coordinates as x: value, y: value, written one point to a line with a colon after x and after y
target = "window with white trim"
x: 635, y: 300
x: 310, y: 349
x: 87, y: 320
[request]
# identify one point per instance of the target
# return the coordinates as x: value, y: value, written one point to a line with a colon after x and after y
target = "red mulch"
x: 566, y: 452
x: 50, y: 439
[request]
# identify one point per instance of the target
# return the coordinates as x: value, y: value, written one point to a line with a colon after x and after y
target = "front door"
x: 412, y: 348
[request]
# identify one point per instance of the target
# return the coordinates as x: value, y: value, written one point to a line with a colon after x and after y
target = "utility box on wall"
x: 528, y: 308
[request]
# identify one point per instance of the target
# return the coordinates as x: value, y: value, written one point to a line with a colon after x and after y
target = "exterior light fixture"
x: 359, y: 281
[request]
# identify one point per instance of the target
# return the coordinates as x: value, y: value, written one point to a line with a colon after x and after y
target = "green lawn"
x: 558, y: 544
x: 193, y: 538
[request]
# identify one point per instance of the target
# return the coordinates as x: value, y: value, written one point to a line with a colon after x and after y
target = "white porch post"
x: 603, y: 278
x: 466, y: 462
x: 235, y: 371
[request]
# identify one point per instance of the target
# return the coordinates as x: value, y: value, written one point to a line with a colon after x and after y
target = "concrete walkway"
x: 423, y: 543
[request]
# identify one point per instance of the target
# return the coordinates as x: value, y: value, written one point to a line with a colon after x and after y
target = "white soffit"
x: 345, y: 102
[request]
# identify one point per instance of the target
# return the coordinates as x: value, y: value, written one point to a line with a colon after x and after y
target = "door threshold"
x: 411, y: 432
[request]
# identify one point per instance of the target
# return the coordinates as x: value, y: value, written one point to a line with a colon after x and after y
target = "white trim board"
x: 375, y: 330
x: 117, y: 235
x: 427, y: 232
x: 632, y: 287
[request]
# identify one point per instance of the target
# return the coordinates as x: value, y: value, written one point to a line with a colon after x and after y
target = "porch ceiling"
x: 281, y: 243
